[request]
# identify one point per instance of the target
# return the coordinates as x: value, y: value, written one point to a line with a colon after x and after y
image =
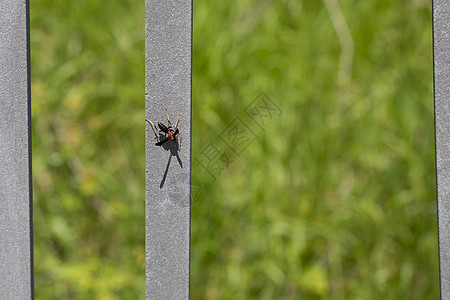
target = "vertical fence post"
x: 16, y: 242
x: 168, y: 43
x: 441, y: 49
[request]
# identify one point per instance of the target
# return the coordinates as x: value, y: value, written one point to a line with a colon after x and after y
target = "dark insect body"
x: 165, y: 133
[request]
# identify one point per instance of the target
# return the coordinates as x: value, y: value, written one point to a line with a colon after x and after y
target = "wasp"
x: 165, y: 133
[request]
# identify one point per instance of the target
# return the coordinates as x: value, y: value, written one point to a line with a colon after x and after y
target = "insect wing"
x: 163, y: 127
x: 162, y: 141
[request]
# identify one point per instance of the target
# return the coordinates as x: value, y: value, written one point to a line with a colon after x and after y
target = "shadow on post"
x: 173, y: 147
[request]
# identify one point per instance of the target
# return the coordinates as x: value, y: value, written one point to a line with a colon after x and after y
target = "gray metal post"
x: 441, y: 34
x: 16, y: 242
x: 168, y: 43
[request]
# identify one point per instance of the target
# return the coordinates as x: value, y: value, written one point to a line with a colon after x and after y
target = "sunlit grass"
x: 334, y: 199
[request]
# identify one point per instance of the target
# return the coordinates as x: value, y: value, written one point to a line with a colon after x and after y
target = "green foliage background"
x: 335, y: 199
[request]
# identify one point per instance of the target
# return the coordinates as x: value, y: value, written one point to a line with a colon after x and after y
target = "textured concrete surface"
x: 168, y: 33
x: 16, y: 263
x: 441, y: 19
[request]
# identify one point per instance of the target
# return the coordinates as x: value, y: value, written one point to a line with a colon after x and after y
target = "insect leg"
x: 157, y: 131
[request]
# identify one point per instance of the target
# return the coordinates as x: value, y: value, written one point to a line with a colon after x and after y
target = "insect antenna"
x: 167, y: 113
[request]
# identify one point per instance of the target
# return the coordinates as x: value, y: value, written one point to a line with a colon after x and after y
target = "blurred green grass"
x: 335, y: 199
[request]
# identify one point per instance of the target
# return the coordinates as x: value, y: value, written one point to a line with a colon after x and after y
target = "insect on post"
x: 165, y: 133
